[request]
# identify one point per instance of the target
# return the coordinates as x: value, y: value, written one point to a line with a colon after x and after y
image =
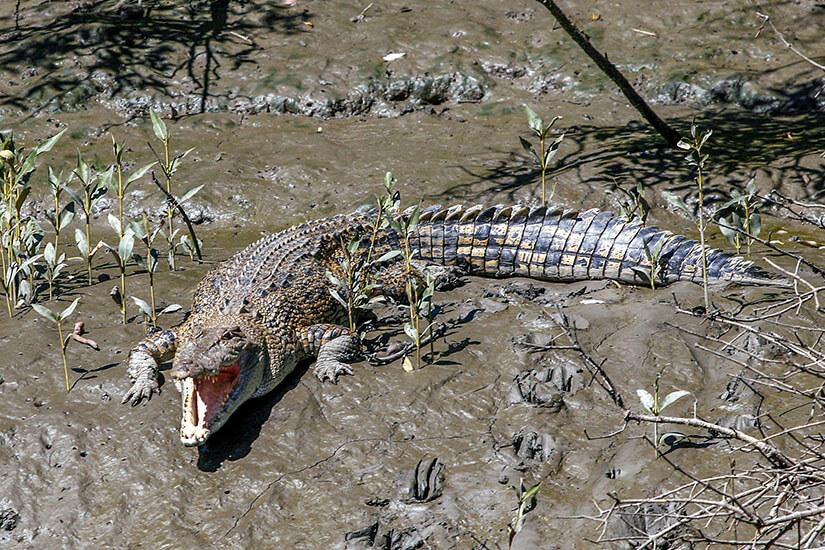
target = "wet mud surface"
x: 293, y: 122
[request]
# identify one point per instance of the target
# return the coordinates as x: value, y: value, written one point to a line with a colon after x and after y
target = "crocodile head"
x: 215, y: 371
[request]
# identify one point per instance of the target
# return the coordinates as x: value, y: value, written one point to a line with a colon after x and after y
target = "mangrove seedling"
x: 405, y: 224
x: 150, y: 263
x: 122, y: 254
x: 16, y: 168
x: 16, y: 283
x: 545, y: 153
x: 654, y: 257
x: 634, y: 206
x: 54, y: 265
x: 351, y: 287
x: 696, y: 158
x: 60, y: 218
x: 58, y: 319
x: 149, y: 313
x: 526, y: 504
x: 652, y: 403
x: 169, y: 165
x: 741, y: 212
x: 94, y: 185
x: 119, y: 185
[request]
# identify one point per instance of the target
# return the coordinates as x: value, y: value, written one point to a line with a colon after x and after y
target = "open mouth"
x: 203, y: 400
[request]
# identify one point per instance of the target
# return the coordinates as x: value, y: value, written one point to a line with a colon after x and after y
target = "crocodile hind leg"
x: 143, y: 364
x: 335, y: 345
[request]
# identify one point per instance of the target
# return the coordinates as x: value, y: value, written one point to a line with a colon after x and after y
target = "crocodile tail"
x: 556, y: 244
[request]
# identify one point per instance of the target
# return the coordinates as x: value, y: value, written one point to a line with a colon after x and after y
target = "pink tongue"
x: 209, y: 395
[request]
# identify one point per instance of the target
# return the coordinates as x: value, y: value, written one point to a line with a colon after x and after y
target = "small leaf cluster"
x: 354, y: 289
x: 546, y: 151
x: 527, y: 499
x: 741, y: 212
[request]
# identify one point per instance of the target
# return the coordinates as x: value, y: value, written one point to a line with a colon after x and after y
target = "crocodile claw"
x: 331, y: 370
x: 143, y: 387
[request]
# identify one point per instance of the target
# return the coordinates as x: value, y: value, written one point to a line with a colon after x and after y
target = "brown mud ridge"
x: 323, y: 60
x: 390, y: 459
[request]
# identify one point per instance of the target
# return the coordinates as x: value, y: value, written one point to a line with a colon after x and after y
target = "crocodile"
x: 258, y: 314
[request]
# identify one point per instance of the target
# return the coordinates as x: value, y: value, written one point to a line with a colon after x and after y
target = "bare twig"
x: 767, y: 19
x: 768, y: 451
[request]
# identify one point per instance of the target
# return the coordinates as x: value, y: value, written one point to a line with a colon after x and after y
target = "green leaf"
x: 33, y: 259
x: 117, y: 148
x: 69, y: 310
x: 138, y: 229
x: 727, y: 232
x: 533, y: 121
x: 335, y: 280
x: 412, y: 221
x: 137, y: 174
x: 389, y: 182
x: 411, y: 331
x: 646, y: 399
x: 28, y: 166
x: 47, y: 145
x: 114, y: 223
x: 750, y: 187
x: 66, y: 216
x: 45, y: 312
x: 335, y: 294
x: 74, y: 195
x: 552, y: 150
x: 142, y: 305
x: 387, y: 256
x: 184, y: 154
x: 139, y: 260
x: 677, y: 202
x: 125, y: 246
x: 755, y: 224
x: 171, y: 308
x: 82, y: 170
x: 49, y: 253
x: 672, y: 397
x: 21, y: 198
x: 684, y: 145
x: 527, y: 146
x: 189, y: 194
x: 82, y: 244
x: 158, y: 126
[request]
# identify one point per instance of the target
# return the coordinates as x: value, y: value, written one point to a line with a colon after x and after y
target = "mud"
x: 293, y: 122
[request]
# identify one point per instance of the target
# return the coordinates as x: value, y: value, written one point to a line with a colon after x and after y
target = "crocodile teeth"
x: 193, y: 428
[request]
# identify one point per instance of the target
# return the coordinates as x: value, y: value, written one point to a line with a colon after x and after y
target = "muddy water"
x: 311, y: 463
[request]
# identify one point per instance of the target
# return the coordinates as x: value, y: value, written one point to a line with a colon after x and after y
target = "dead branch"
x: 770, y: 452
x: 767, y: 19
x: 671, y: 136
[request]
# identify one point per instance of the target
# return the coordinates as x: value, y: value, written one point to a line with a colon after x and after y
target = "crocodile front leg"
x: 143, y: 364
x: 335, y: 345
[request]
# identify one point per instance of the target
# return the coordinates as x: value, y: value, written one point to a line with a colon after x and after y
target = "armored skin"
x: 259, y: 313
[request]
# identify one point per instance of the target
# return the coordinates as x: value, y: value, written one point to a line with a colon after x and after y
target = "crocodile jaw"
x: 209, y: 400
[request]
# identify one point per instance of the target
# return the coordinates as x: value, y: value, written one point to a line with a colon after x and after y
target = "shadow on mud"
x: 234, y: 440
x: 742, y: 141
x: 146, y: 48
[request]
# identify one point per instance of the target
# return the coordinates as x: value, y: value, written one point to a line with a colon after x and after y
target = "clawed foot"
x: 144, y: 387
x: 331, y: 370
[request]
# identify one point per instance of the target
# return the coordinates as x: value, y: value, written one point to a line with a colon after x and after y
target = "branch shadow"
x: 742, y: 143
x: 125, y: 47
